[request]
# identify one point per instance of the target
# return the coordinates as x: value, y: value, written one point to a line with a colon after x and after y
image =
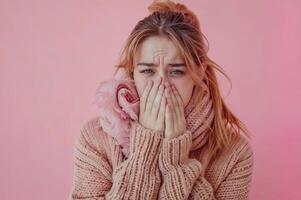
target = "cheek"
x: 185, y: 89
x: 140, y: 82
x: 185, y: 93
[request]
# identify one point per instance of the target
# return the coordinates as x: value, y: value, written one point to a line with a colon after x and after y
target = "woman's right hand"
x: 152, y: 105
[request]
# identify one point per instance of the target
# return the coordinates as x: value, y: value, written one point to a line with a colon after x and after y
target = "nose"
x: 163, y: 76
x: 164, y: 79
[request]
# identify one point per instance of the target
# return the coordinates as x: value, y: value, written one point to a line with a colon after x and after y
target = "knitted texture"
x: 159, y: 168
x: 118, y: 103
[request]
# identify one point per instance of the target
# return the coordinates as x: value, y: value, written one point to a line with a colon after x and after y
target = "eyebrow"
x: 153, y: 65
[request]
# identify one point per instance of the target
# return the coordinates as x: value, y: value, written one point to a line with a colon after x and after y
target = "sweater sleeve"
x: 182, y: 177
x: 137, y: 177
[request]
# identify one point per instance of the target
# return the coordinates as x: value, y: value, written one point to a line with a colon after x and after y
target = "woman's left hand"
x: 175, y: 122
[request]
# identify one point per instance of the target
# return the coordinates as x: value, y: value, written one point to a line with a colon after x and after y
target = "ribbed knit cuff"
x: 144, y: 142
x: 175, y: 151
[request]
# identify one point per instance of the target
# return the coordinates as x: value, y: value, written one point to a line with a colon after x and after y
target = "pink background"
x: 53, y: 53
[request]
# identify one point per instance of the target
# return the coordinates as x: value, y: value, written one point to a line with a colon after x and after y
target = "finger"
x: 145, y: 95
x: 157, y: 102
x: 175, y: 103
x: 180, y: 101
x: 161, y: 114
x: 168, y: 119
x: 171, y: 103
x: 178, y: 96
x: 152, y: 95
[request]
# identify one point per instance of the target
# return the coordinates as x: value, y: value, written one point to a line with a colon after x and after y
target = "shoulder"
x: 92, y: 136
x: 236, y: 159
x: 243, y: 149
x: 241, y: 156
x: 91, y: 126
x: 240, y: 149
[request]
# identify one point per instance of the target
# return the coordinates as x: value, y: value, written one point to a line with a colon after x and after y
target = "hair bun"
x: 162, y: 6
x: 168, y: 5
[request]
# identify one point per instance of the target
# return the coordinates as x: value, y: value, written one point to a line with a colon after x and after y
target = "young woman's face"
x: 158, y: 57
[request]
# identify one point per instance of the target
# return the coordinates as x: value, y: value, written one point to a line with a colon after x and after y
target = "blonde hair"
x: 177, y: 23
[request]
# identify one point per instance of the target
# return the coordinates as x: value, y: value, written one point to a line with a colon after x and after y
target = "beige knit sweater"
x: 156, y: 168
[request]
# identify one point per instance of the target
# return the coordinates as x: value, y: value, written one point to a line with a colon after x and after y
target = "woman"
x: 185, y: 143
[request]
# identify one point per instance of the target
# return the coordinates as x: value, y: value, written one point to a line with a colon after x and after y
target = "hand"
x: 175, y: 122
x: 153, y: 105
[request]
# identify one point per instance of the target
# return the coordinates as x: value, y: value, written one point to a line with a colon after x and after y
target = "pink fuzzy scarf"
x: 118, y: 103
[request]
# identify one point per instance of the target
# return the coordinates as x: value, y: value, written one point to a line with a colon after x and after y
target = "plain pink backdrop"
x: 53, y: 54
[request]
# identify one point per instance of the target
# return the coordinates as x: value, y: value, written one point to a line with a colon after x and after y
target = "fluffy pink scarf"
x: 118, y: 103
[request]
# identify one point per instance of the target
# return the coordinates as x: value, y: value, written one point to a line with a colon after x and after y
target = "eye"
x: 178, y: 72
x: 149, y: 71
x: 146, y: 71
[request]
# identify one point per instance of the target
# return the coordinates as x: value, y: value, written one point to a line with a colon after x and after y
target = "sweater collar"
x: 199, y: 119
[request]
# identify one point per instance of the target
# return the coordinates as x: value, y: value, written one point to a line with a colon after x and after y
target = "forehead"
x: 155, y: 46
